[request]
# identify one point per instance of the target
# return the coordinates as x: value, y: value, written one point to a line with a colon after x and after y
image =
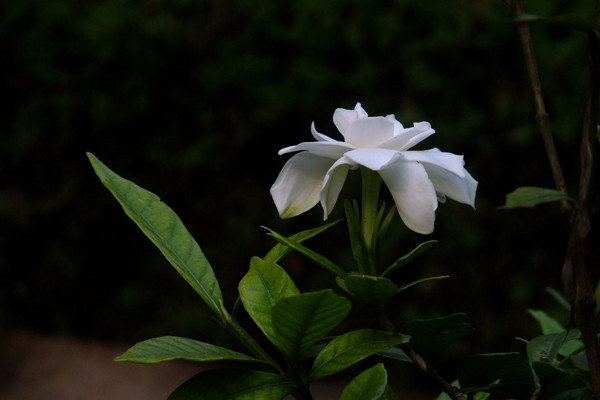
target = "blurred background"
x: 192, y: 99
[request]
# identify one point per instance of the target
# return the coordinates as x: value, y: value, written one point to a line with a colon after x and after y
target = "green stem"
x: 371, y: 182
x: 249, y: 343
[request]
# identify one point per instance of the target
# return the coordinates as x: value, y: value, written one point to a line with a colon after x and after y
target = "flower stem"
x: 371, y: 182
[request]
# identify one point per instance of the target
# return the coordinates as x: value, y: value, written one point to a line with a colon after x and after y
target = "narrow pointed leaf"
x: 357, y: 243
x: 373, y: 291
x: 311, y: 255
x: 300, y: 321
x: 389, y: 394
x: 263, y: 286
x: 547, y: 324
x: 408, y: 257
x: 420, y: 281
x: 164, y: 228
x: 351, y: 348
x: 529, y: 196
x: 279, y: 251
x: 168, y: 348
x: 495, y: 370
x: 368, y: 385
x: 233, y: 384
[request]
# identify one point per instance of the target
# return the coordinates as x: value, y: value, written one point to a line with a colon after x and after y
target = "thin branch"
x: 541, y: 116
x: 578, y: 278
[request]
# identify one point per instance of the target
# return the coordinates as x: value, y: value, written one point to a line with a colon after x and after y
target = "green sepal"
x: 408, y: 257
x: 167, y: 348
x: 350, y: 348
x: 233, y: 384
x: 373, y: 291
x: 310, y: 254
x: 164, y: 228
x: 368, y: 385
x: 260, y: 289
x: 430, y: 337
x: 302, y: 320
x: 357, y: 242
x: 530, y: 196
x: 279, y: 251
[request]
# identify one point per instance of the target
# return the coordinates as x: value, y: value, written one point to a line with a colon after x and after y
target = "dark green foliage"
x: 192, y: 99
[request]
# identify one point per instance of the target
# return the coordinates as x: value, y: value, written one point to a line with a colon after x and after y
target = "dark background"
x: 192, y: 99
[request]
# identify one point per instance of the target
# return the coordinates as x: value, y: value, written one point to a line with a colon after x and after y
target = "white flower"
x: 414, y: 178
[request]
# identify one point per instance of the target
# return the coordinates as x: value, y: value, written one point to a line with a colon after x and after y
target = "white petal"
x: 458, y: 188
x: 369, y: 132
x: 372, y: 158
x: 298, y: 186
x: 333, y: 149
x: 405, y: 138
x: 448, y: 161
x: 319, y: 136
x: 343, y: 118
x: 413, y: 194
x: 333, y: 183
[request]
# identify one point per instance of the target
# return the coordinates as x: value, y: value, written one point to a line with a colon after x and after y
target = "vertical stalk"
x: 541, y: 116
x: 371, y: 182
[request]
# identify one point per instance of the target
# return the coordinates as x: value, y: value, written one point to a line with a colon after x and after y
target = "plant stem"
x: 541, y: 117
x: 448, y: 388
x: 371, y: 182
x: 578, y: 278
x: 249, y: 343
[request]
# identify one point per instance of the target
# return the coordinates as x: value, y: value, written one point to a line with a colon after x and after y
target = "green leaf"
x: 357, y: 242
x: 373, y: 291
x: 389, y: 394
x: 430, y: 337
x: 488, y: 371
x: 420, y: 281
x: 546, y: 348
x: 547, y: 324
x: 351, y: 348
x: 164, y: 228
x: 168, y: 348
x: 529, y: 196
x: 300, y: 321
x: 233, y: 384
x: 395, y: 354
x: 263, y: 286
x: 279, y: 251
x: 560, y: 299
x: 408, y: 257
x: 368, y: 385
x: 311, y: 255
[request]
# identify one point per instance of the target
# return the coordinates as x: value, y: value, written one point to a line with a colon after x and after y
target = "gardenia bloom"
x: 414, y: 178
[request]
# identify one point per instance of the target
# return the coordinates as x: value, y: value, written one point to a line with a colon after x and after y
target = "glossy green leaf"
x: 529, y: 196
x: 430, y: 337
x: 373, y: 291
x: 408, y: 257
x: 164, y: 228
x: 279, y: 251
x: 420, y: 281
x: 263, y: 286
x: 368, y: 385
x: 300, y: 321
x: 168, y: 348
x: 351, y: 348
x: 311, y: 255
x: 233, y: 384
